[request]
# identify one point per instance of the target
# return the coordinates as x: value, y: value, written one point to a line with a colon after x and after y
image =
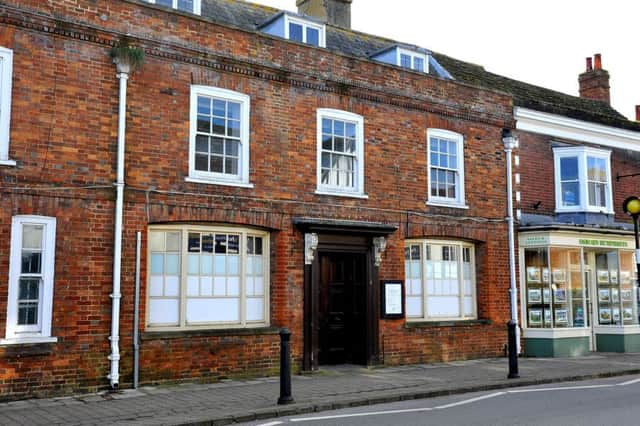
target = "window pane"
x: 570, y: 194
x: 405, y: 61
x: 313, y: 37
x: 202, y: 144
x: 216, y: 164
x: 165, y: 2
x: 233, y: 128
x: 219, y: 108
x: 295, y: 32
x: 418, y: 64
x: 217, y: 146
x: 204, y: 105
x: 202, y: 162
x: 31, y: 262
x: 233, y: 111
x: 231, y: 166
x: 350, y: 130
x: 232, y: 147
x: 32, y: 236
x: 597, y: 193
x: 569, y: 168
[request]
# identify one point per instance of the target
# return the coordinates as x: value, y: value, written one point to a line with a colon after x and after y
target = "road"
x: 613, y: 401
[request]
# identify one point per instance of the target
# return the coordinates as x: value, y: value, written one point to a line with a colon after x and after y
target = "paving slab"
x: 335, y: 387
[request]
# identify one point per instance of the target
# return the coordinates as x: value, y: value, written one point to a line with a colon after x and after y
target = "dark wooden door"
x: 342, y: 310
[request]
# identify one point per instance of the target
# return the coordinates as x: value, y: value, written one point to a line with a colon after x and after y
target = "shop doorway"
x: 342, y: 309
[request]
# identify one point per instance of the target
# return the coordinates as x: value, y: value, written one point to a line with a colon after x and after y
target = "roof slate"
x: 249, y: 16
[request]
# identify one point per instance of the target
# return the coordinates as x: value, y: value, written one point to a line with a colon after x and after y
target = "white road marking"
x: 371, y: 413
x: 559, y: 388
x: 469, y: 401
x: 271, y: 424
x: 630, y: 382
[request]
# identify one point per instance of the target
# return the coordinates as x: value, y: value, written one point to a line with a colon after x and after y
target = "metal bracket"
x: 310, y: 246
x: 379, y: 246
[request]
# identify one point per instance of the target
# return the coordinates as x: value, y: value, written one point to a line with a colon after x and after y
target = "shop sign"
x: 601, y: 243
x: 536, y: 240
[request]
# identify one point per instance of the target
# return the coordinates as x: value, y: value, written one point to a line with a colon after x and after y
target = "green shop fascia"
x: 578, y: 293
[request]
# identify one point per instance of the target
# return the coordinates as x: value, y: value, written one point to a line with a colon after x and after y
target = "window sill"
x: 446, y: 323
x: 443, y: 204
x: 178, y: 334
x: 27, y: 341
x: 341, y: 194
x: 218, y: 182
x: 581, y: 210
x: 10, y: 163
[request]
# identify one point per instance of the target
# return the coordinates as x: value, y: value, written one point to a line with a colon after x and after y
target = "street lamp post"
x: 631, y: 206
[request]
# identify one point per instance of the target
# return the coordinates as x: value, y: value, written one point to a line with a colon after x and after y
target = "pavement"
x: 235, y: 401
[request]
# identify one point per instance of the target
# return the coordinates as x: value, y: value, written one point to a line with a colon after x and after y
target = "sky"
x: 543, y: 42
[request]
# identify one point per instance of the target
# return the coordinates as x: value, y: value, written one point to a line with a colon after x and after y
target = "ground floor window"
x: 440, y: 280
x: 207, y: 277
x: 577, y: 287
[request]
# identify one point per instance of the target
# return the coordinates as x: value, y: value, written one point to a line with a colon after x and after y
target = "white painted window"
x: 31, y: 270
x: 340, y: 161
x: 304, y: 31
x: 211, y: 277
x: 412, y: 60
x: 439, y: 280
x: 6, y: 71
x: 446, y: 168
x: 219, y: 141
x: 583, y: 179
x: 191, y: 6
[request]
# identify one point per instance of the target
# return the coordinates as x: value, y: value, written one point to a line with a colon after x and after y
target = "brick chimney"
x: 334, y: 12
x: 594, y: 82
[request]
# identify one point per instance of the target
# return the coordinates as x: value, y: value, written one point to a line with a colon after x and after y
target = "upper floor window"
x: 191, y: 6
x: 439, y: 280
x: 583, y: 179
x: 31, y: 269
x: 6, y: 70
x: 446, y: 167
x: 207, y: 277
x: 219, y: 143
x: 304, y: 31
x: 412, y: 60
x: 340, y: 153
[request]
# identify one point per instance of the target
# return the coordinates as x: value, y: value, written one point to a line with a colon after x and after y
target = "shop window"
x: 219, y: 142
x: 583, y: 180
x: 191, y: 6
x: 207, y: 277
x: 446, y: 168
x: 616, y: 293
x: 340, y: 162
x: 31, y: 270
x: 6, y: 69
x: 440, y: 280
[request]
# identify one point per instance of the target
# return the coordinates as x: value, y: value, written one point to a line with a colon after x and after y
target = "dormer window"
x: 412, y: 60
x: 191, y: 6
x: 296, y: 28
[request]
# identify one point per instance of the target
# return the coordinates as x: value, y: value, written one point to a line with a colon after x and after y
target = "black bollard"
x: 513, y: 351
x: 285, y: 368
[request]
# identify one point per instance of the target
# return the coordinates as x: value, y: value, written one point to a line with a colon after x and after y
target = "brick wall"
x: 63, y: 137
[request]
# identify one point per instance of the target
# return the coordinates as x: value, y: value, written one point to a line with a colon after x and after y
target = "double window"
x: 219, y: 143
x: 191, y: 6
x: 304, y: 31
x: 583, y: 179
x: 6, y: 69
x: 340, y: 153
x: 446, y: 168
x: 207, y: 277
x: 412, y: 60
x: 440, y: 280
x: 31, y: 269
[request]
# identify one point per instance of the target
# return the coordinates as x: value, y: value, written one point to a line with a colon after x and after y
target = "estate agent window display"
x: 557, y: 293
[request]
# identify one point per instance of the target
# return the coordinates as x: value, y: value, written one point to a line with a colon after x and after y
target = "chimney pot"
x: 589, y: 64
x: 598, y: 61
x: 637, y: 112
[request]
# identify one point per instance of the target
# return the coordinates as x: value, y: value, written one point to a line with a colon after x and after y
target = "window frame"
x: 305, y: 24
x: 582, y: 153
x: 6, y: 76
x: 199, y: 176
x: 358, y: 189
x: 197, y: 6
x: 461, y: 244
x: 184, y: 230
x: 16, y: 334
x: 413, y: 55
x: 459, y: 201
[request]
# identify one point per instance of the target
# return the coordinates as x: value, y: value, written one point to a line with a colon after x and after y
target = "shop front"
x: 578, y: 293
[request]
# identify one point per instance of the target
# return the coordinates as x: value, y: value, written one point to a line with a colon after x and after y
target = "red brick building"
x: 280, y: 171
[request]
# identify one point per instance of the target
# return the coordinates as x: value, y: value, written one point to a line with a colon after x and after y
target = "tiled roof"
x: 249, y: 16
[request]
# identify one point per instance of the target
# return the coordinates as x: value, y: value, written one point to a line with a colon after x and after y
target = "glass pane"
x: 31, y: 262
x: 597, y: 194
x: 350, y: 146
x: 207, y: 243
x: 418, y: 64
x: 232, y: 147
x: 218, y: 126
x: 204, y: 105
x: 221, y: 243
x: 29, y: 289
x: 326, y: 160
x: 32, y: 236
x: 231, y: 166
x: 249, y: 245
x: 203, y: 124
x: 217, y: 146
x: 327, y: 126
x: 234, y: 244
x: 233, y: 111
x: 339, y: 144
x: 202, y: 144
x: 173, y: 241
x: 194, y: 242
x: 219, y: 108
x: 405, y: 61
x: 216, y: 164
x: 202, y: 162
x: 28, y: 313
x: 596, y: 169
x: 327, y: 142
x: 338, y: 128
x: 258, y: 245
x: 233, y: 128
x: 295, y: 32
x: 350, y: 130
x: 313, y: 37
x: 165, y: 2
x: 569, y: 168
x: 570, y: 194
